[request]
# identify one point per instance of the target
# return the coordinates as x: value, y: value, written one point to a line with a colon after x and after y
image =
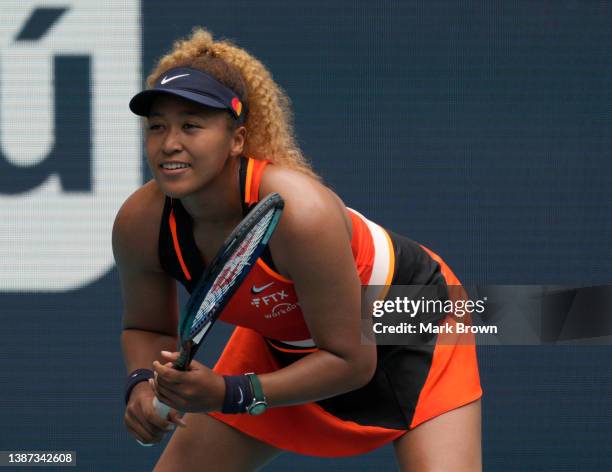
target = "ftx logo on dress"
x: 69, y: 147
x: 268, y: 299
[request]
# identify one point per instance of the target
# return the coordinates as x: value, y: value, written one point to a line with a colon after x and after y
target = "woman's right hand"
x: 142, y: 421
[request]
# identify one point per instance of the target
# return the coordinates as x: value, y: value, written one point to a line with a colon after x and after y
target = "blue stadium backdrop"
x: 482, y: 129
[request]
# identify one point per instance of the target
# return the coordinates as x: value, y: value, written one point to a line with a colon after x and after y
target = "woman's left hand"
x: 198, y: 389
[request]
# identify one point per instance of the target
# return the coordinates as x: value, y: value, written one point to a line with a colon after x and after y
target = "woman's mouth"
x: 174, y: 168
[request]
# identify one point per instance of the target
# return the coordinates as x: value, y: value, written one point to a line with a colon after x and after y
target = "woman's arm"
x: 312, y: 246
x: 150, y: 310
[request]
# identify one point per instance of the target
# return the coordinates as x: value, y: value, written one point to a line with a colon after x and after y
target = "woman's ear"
x: 238, y: 141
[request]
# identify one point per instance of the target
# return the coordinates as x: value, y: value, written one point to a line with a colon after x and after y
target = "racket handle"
x: 161, y: 408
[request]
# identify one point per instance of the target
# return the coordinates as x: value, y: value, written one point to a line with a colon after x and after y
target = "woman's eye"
x: 190, y: 125
x: 154, y: 127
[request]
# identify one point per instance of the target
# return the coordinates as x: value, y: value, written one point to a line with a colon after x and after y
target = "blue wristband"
x: 238, y: 394
x: 137, y: 376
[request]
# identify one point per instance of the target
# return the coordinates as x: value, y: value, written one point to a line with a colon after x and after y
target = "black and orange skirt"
x: 412, y: 383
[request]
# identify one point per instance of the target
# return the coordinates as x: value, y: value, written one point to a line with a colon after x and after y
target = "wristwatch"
x: 259, y: 403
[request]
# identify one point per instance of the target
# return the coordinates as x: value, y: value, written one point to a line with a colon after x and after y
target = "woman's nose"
x: 172, y: 142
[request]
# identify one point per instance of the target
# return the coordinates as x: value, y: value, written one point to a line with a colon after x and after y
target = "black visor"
x: 192, y: 85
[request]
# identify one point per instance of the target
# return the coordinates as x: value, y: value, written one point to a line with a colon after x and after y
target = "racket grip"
x: 161, y: 408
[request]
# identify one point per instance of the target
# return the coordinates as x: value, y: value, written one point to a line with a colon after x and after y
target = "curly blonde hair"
x: 269, y: 125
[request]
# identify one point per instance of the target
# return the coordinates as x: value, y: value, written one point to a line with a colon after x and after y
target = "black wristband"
x: 139, y: 375
x: 238, y: 394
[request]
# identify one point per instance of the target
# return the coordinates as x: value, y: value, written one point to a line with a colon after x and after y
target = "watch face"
x: 258, y: 409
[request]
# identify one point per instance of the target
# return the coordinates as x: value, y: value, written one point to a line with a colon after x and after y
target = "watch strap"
x: 256, y: 387
x: 259, y: 403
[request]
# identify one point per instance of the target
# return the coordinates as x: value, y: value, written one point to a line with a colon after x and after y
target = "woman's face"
x: 187, y: 144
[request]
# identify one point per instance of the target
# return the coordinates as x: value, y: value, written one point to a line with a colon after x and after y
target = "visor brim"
x: 140, y: 104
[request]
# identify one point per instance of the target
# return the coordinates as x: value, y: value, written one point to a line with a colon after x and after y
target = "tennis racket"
x: 222, y: 278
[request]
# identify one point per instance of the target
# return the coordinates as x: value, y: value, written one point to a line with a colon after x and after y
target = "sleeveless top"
x: 266, y: 301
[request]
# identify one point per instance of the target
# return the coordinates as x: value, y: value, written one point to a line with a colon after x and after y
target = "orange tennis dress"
x: 412, y: 384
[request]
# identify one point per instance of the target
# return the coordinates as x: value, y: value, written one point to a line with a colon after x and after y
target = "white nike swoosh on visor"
x: 165, y: 80
x: 241, y: 396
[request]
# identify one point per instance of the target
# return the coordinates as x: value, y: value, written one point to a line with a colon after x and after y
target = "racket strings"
x: 232, y: 269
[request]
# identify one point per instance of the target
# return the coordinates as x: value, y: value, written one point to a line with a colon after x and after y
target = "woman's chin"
x: 174, y: 190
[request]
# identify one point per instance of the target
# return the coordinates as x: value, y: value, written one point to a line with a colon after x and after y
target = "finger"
x: 143, y: 437
x: 176, y: 418
x: 145, y: 415
x: 153, y: 414
x: 171, y: 356
x: 198, y: 365
x: 160, y: 422
x: 174, y: 403
x: 167, y: 372
x: 143, y: 431
x: 144, y: 421
x: 168, y: 397
x: 175, y: 393
x: 137, y: 433
x: 162, y: 391
x: 153, y: 383
x: 158, y: 396
x: 161, y: 381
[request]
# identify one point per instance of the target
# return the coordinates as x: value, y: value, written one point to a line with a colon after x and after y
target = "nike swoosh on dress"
x: 255, y: 289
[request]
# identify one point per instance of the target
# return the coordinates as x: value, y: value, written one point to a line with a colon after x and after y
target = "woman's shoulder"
x: 308, y: 201
x: 136, y: 227
x: 144, y: 201
x: 296, y: 185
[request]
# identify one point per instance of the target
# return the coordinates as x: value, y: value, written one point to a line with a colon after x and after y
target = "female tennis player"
x: 295, y: 375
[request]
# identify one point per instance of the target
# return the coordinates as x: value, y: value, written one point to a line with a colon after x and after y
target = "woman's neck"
x: 219, y: 204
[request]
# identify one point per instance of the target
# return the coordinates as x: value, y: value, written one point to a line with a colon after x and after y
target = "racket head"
x: 225, y: 274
